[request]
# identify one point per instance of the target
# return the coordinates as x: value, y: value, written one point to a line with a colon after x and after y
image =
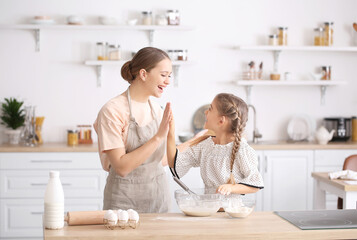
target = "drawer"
x: 78, y: 160
x: 32, y: 183
x: 332, y: 158
x: 22, y: 218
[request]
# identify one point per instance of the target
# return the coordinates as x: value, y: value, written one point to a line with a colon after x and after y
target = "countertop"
x: 264, y: 145
x: 259, y: 225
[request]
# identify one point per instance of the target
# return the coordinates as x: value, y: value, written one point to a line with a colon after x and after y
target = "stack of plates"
x: 301, y: 127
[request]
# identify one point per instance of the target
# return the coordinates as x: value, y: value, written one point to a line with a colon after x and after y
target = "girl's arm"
x: 227, y: 189
x: 124, y: 163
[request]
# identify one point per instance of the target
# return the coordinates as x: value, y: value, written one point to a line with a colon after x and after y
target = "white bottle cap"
x: 54, y: 174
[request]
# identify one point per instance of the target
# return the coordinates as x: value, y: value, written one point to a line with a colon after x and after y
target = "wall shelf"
x: 99, y: 66
x: 277, y: 50
x: 323, y: 84
x: 37, y: 28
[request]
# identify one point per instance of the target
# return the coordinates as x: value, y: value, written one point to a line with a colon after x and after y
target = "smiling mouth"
x: 161, y: 88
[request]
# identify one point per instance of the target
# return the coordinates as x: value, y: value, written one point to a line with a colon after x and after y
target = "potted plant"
x: 13, y: 117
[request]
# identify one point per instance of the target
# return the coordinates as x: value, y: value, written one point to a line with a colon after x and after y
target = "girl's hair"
x: 236, y: 110
x: 147, y: 58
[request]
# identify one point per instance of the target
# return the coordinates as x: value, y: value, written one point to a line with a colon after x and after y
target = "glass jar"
x: 114, y: 52
x: 328, y: 32
x: 326, y: 73
x: 173, y: 17
x: 171, y: 54
x: 146, y: 18
x: 283, y: 36
x: 102, y: 50
x: 180, y: 55
x: 354, y: 129
x: 72, y: 137
x: 319, y: 36
x: 273, y: 40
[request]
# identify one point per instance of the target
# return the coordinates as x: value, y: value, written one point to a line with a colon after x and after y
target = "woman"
x: 131, y: 139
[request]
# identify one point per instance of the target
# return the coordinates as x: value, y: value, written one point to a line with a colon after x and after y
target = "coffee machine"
x: 342, y: 127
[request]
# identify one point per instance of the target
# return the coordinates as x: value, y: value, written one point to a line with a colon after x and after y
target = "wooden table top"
x: 259, y: 225
x: 339, y: 183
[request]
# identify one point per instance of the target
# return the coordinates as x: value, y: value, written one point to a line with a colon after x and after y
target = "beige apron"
x: 145, y: 189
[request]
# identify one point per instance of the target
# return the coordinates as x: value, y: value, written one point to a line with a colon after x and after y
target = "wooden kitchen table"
x: 339, y: 187
x: 259, y: 225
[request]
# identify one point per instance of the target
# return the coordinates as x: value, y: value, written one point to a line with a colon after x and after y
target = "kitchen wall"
x: 65, y: 92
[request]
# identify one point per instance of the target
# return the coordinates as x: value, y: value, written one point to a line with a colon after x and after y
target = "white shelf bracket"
x: 248, y: 90
x: 276, y: 60
x: 175, y: 70
x: 151, y: 38
x: 323, y: 94
x: 37, y: 39
x: 99, y: 75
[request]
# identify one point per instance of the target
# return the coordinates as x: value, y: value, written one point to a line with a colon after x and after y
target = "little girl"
x: 227, y: 162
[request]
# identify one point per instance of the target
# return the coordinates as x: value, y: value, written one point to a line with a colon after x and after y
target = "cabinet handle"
x: 265, y: 164
x: 51, y: 161
x: 38, y: 184
x: 66, y: 184
x: 36, y: 213
x: 259, y: 163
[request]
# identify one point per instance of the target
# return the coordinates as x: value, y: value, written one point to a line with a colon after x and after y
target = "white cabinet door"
x: 260, y: 193
x: 287, y: 179
x: 22, y: 218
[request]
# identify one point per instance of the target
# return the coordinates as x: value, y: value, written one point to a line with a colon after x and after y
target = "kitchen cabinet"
x: 23, y: 180
x: 330, y: 161
x: 277, y: 50
x: 287, y: 180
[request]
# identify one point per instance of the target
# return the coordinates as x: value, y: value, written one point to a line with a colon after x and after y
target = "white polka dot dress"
x: 214, y: 162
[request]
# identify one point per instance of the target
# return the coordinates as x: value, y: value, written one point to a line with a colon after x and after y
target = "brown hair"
x: 147, y: 58
x: 236, y: 110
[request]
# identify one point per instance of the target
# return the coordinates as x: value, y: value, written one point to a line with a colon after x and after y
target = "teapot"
x: 323, y: 136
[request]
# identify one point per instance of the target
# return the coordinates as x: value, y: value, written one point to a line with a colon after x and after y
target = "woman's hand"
x: 164, y: 125
x: 225, y: 189
x: 171, y: 126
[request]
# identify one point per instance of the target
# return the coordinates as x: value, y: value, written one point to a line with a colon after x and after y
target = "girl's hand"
x: 225, y: 189
x: 164, y: 125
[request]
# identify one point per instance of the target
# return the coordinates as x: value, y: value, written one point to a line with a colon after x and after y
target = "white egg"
x: 108, y: 213
x: 130, y: 210
x: 134, y: 216
x: 123, y: 216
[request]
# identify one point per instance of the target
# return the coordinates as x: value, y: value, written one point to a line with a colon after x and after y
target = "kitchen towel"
x: 345, y: 174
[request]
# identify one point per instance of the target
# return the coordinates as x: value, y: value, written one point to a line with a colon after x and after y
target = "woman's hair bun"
x: 126, y: 72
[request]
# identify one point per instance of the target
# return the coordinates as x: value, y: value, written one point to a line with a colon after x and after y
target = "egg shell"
x: 123, y: 216
x: 108, y: 213
x: 134, y: 216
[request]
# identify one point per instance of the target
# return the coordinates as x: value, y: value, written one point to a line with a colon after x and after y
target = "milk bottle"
x: 54, y: 202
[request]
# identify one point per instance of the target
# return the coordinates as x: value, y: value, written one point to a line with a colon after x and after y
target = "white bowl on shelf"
x: 107, y: 20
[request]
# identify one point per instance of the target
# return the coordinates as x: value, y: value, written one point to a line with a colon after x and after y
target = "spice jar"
x: 273, y: 39
x: 72, y: 137
x: 146, y: 18
x: 114, y: 52
x: 319, y: 36
x: 173, y: 17
x: 328, y: 32
x: 171, y: 54
x: 354, y: 129
x: 326, y: 73
x: 102, y: 51
x: 283, y: 36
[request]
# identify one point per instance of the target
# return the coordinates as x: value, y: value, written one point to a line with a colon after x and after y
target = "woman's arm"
x: 171, y: 145
x: 124, y: 163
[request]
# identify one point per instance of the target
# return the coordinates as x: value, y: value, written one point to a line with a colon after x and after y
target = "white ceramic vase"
x: 13, y: 135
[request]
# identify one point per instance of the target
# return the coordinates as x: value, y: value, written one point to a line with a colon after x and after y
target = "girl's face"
x: 213, y: 117
x: 159, y: 77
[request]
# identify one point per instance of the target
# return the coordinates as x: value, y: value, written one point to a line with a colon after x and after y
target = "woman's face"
x: 159, y: 77
x: 212, y: 116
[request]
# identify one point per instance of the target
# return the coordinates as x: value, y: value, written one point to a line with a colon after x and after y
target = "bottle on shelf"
x: 54, y: 203
x: 283, y: 36
x: 146, y: 18
x: 328, y: 32
x: 319, y: 37
x: 102, y: 51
